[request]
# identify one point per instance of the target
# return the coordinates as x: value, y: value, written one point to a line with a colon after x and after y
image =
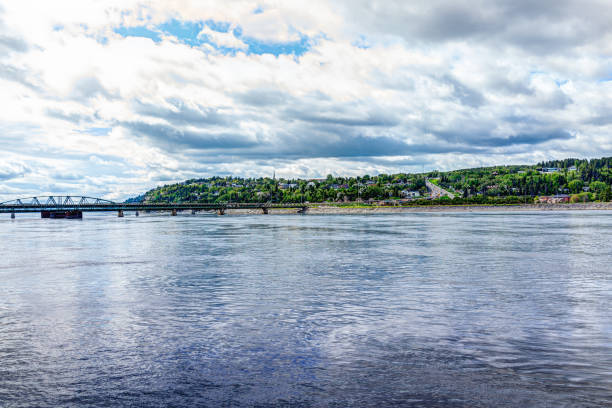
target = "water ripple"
x: 440, y: 310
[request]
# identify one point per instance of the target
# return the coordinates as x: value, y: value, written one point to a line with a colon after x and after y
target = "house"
x: 572, y: 168
x: 586, y: 189
x: 550, y: 170
x: 410, y: 194
x: 284, y: 186
x: 384, y: 202
x: 556, y: 199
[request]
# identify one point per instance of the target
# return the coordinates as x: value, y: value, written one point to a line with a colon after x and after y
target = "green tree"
x: 575, y: 186
x: 597, y: 186
x: 606, y: 195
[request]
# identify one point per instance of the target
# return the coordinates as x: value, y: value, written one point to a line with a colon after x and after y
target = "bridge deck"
x: 30, y: 208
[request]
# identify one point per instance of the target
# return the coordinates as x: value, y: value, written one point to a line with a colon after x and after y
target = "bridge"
x: 75, y: 206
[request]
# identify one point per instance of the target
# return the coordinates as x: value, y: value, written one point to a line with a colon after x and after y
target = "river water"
x: 417, y: 309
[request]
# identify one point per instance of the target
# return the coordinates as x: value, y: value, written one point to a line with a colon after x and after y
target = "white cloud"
x: 439, y: 85
x: 220, y: 39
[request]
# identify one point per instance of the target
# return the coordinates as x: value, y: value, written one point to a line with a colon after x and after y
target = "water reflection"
x: 449, y: 309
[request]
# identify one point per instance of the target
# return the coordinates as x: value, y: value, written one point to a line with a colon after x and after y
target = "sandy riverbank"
x: 330, y: 209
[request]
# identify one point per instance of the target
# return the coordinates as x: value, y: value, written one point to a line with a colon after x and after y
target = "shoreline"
x: 331, y: 209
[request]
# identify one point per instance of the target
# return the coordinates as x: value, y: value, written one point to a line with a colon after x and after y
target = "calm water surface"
x: 432, y: 310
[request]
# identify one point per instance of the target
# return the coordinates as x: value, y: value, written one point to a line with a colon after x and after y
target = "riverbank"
x: 331, y: 209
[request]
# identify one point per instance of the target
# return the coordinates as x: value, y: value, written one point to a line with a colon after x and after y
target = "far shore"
x: 332, y: 209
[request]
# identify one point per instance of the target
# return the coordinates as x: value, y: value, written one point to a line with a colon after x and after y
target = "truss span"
x: 56, y: 201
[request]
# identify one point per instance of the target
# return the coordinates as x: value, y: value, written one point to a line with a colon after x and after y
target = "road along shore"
x: 331, y: 209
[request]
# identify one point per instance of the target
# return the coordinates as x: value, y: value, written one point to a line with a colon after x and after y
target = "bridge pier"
x: 120, y: 213
x: 136, y: 214
x: 173, y: 213
x: 193, y: 212
x: 264, y: 210
x: 12, y: 215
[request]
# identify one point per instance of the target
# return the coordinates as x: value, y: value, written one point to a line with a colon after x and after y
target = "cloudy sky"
x: 110, y: 98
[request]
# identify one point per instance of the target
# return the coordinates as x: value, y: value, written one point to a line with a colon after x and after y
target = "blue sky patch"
x: 187, y: 33
x: 607, y: 79
x: 138, y: 31
x: 362, y: 43
x: 96, y: 131
x: 296, y: 48
x: 220, y: 26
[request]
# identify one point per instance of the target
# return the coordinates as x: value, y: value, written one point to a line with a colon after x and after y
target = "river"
x: 484, y: 309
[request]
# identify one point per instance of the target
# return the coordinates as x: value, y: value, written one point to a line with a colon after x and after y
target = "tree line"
x: 588, y: 179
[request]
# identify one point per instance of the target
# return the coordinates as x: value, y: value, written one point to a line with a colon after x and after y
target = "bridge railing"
x: 83, y: 203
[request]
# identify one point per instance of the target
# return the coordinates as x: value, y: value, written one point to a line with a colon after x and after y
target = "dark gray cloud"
x: 544, y: 26
x: 508, y: 86
x: 12, y: 171
x: 328, y: 144
x: 528, y: 138
x: 172, y: 138
x: 320, y: 109
x: 73, y: 117
x: 164, y: 177
x: 377, y: 119
x: 330, y: 141
x: 89, y: 87
x: 479, y: 139
x: 317, y: 127
x: 64, y: 176
x: 8, y: 43
x: 522, y: 119
x: 263, y: 97
x: 19, y: 75
x: 465, y: 94
x: 600, y: 119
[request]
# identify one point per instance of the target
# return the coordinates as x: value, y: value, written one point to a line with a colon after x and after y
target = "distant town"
x: 562, y: 181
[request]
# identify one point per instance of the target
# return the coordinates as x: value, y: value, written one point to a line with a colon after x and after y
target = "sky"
x: 111, y: 98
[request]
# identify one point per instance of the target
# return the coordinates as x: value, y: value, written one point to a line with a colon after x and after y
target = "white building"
x: 410, y: 194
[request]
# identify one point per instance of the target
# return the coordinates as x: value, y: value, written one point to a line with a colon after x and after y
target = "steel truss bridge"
x: 74, y: 206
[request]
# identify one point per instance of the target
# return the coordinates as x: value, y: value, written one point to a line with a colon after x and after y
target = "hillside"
x: 585, y: 180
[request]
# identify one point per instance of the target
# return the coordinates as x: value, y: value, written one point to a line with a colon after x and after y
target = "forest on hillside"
x: 585, y: 180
